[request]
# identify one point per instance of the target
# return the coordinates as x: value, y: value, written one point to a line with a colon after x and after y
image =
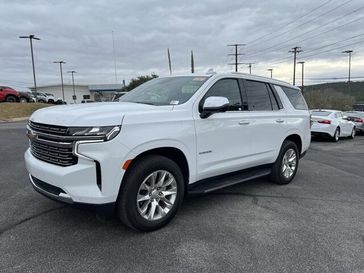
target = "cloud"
x: 79, y: 32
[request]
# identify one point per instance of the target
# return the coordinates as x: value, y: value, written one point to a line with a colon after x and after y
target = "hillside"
x: 356, y: 89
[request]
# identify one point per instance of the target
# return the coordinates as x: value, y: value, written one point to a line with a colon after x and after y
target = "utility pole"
x: 60, y: 68
x: 236, y: 54
x: 295, y: 50
x: 73, y: 84
x: 250, y: 67
x: 303, y: 71
x: 349, y: 52
x: 169, y: 61
x: 192, y: 63
x: 271, y: 72
x: 31, y: 38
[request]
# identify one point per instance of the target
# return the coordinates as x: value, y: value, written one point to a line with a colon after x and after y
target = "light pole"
x: 271, y: 72
x: 60, y: 68
x: 73, y: 84
x: 303, y: 71
x: 31, y: 38
x: 349, y: 52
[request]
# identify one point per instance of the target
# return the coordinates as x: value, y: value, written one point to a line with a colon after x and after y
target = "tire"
x: 281, y: 175
x: 336, y: 136
x: 10, y: 99
x: 138, y: 182
x: 353, y: 132
x: 41, y: 101
x: 23, y: 100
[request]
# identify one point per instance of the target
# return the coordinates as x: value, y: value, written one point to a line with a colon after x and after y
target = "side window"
x: 295, y: 97
x: 86, y: 97
x: 228, y: 88
x: 258, y: 96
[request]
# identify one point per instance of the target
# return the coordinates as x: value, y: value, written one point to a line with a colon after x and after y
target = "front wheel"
x: 285, y: 167
x: 151, y: 193
x: 352, y: 136
x: 23, y: 100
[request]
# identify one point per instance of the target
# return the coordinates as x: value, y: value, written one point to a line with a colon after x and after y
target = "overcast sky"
x: 80, y: 33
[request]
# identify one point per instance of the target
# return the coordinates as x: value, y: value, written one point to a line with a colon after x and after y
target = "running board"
x: 222, y: 181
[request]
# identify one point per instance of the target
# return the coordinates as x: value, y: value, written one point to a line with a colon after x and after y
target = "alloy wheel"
x: 156, y: 195
x: 289, y: 163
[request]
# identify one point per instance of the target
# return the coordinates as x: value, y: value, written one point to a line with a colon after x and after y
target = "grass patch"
x: 19, y: 110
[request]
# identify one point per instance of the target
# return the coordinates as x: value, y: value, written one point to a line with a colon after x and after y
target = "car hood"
x: 92, y: 114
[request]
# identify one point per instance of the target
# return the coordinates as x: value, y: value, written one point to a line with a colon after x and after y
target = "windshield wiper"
x: 142, y: 102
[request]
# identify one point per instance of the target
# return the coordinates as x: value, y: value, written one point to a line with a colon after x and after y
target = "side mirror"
x: 213, y: 105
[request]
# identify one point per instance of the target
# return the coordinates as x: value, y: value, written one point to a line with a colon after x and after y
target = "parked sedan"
x: 358, y: 118
x: 332, y: 124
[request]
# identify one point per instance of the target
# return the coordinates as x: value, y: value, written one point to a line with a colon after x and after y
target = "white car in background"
x: 331, y: 123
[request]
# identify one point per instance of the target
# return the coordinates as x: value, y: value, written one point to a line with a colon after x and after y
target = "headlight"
x: 98, y: 132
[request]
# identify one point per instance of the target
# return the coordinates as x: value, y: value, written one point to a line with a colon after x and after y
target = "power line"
x: 312, y: 30
x: 281, y: 60
x: 290, y: 23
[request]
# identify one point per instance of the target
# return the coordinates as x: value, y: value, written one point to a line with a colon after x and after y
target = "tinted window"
x: 228, y: 88
x: 258, y: 96
x: 295, y: 97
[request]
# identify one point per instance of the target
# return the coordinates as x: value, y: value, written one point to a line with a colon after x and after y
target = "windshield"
x: 165, y: 91
x: 321, y: 113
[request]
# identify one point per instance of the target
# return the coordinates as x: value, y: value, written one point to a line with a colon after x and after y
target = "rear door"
x: 267, y: 121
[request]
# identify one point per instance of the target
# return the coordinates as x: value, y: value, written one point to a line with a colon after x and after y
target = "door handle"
x: 244, y: 122
x: 279, y: 120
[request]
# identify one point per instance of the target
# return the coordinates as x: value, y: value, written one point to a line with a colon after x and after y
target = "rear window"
x: 295, y: 97
x: 320, y: 113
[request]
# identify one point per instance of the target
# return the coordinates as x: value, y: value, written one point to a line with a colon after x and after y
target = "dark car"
x: 358, y: 118
x: 8, y: 94
x: 26, y: 97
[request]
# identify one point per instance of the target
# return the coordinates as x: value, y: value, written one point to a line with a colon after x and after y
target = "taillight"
x: 325, y: 121
x: 358, y: 120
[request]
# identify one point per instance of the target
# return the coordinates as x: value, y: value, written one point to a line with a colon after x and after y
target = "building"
x: 95, y: 92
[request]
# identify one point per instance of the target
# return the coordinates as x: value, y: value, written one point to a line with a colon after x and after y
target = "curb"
x: 14, y: 119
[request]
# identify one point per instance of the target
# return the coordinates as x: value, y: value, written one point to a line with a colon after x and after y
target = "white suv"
x: 166, y: 138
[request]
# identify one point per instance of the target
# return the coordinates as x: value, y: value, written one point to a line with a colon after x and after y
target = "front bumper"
x: 50, y: 191
x: 80, y: 183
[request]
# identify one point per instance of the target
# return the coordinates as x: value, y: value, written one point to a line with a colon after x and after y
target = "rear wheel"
x: 336, y: 136
x: 285, y: 167
x: 10, y: 99
x: 151, y: 193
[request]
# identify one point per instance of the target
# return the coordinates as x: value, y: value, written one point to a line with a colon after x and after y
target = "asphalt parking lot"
x: 315, y: 224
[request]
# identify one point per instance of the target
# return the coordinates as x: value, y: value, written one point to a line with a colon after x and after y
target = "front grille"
x: 48, y: 129
x: 46, y: 146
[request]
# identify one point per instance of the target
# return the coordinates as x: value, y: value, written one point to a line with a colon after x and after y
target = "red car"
x: 8, y: 94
